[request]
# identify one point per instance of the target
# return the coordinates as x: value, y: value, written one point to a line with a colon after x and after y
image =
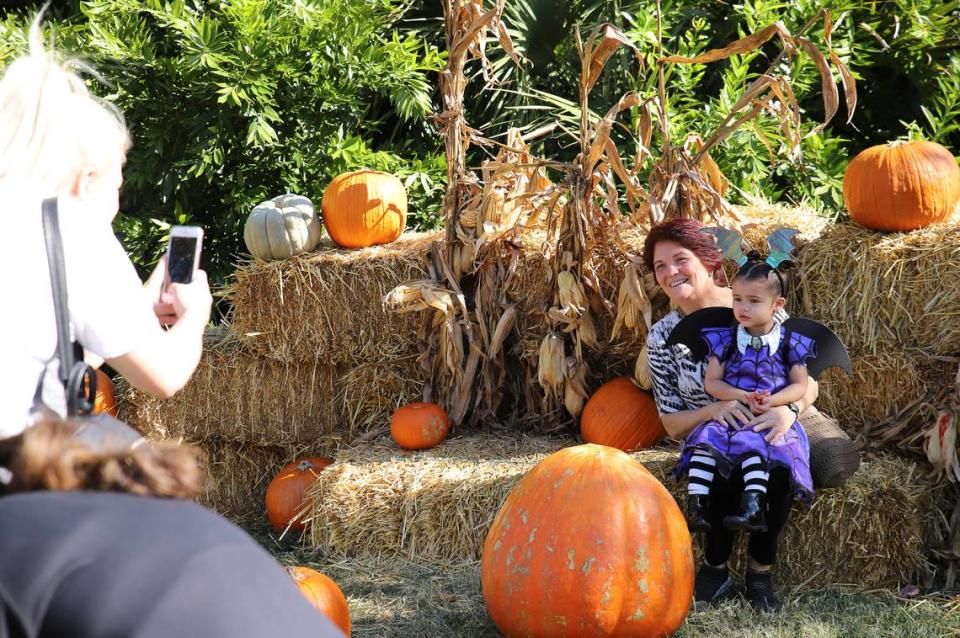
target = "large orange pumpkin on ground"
x: 285, y: 492
x: 418, y: 426
x: 364, y: 208
x: 902, y: 186
x: 104, y: 400
x: 324, y: 594
x: 588, y: 543
x: 621, y: 415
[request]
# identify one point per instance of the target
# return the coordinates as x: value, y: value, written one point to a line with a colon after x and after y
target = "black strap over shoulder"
x: 79, y: 380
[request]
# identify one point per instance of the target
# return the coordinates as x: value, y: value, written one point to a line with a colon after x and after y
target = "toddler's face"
x: 754, y: 303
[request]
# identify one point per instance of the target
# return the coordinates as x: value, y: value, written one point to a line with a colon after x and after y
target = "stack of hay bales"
x: 894, y: 299
x: 310, y: 361
x: 437, y: 505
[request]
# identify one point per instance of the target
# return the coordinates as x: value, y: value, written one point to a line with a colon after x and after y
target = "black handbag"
x: 101, y: 432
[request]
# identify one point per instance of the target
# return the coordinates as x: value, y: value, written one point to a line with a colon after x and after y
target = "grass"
x: 829, y: 613
x: 403, y: 598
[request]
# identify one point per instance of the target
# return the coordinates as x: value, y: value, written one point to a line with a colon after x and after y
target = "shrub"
x: 231, y: 103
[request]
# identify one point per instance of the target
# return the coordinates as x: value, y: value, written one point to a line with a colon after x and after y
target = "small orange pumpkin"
x: 285, y: 492
x: 418, y: 426
x: 364, y: 208
x: 324, y: 594
x: 588, y: 543
x: 621, y: 415
x: 104, y: 400
x: 902, y: 186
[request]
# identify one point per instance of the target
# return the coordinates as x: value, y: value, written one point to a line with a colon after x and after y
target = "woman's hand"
x: 179, y: 299
x: 778, y: 420
x: 182, y: 300
x: 732, y: 413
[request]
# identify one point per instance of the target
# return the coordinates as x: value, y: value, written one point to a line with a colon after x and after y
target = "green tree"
x: 902, y: 52
x: 230, y: 103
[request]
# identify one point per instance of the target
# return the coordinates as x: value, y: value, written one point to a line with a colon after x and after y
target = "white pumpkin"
x: 282, y: 227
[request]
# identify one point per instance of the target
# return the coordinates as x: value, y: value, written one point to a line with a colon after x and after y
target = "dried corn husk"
x: 570, y: 292
x: 574, y: 389
x: 552, y: 366
x: 634, y: 309
x: 641, y: 371
x: 941, y: 445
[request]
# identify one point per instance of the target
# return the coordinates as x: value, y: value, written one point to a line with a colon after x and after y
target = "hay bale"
x: 437, y: 505
x: 236, y: 395
x: 881, y: 386
x: 238, y: 475
x: 327, y: 304
x: 886, y: 292
x: 434, y: 505
x: 761, y: 217
x: 868, y: 533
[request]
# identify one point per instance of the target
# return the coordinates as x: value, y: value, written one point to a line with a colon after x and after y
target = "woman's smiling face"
x: 679, y: 272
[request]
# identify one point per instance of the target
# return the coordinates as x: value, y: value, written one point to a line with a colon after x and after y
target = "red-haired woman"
x: 686, y: 264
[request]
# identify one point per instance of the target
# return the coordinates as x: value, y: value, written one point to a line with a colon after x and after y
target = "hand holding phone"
x: 183, y: 255
x: 181, y: 266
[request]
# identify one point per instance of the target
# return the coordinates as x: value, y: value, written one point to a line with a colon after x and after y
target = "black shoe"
x: 711, y: 585
x: 751, y: 517
x: 760, y: 591
x: 697, y: 507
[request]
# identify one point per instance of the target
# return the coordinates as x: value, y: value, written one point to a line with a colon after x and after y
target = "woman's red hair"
x: 685, y: 232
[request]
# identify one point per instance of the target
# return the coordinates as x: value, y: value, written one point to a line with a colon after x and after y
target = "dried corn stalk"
x: 467, y: 24
x: 472, y: 315
x: 584, y: 225
x: 686, y: 182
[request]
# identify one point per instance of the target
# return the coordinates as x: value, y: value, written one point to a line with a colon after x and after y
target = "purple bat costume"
x: 755, y: 369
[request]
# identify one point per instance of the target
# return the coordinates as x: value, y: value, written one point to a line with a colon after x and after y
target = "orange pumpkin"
x: 285, y: 492
x: 588, y: 543
x: 902, y: 186
x: 418, y: 426
x: 104, y: 400
x: 324, y: 594
x: 621, y: 415
x: 364, y: 208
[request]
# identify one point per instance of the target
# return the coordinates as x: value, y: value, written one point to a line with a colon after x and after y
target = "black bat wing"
x: 830, y: 349
x: 689, y: 331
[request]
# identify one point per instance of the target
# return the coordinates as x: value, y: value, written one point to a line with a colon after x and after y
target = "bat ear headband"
x: 780, y: 241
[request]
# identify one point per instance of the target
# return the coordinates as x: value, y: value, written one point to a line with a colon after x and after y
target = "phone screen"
x: 180, y: 260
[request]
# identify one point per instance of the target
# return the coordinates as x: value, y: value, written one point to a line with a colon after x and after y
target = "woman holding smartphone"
x: 57, y: 140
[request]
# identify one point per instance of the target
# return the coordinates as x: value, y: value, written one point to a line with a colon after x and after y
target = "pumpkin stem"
x: 295, y: 574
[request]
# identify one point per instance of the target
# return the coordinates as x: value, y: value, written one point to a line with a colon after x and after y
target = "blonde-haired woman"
x: 57, y: 140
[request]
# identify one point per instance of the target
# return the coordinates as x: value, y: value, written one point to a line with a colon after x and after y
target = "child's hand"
x: 759, y: 402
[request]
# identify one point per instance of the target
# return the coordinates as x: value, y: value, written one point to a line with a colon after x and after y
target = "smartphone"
x: 183, y: 254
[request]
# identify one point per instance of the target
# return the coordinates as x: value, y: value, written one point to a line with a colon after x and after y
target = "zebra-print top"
x: 677, y: 378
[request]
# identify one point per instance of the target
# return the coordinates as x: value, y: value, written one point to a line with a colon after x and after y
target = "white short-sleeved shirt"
x: 110, y: 313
